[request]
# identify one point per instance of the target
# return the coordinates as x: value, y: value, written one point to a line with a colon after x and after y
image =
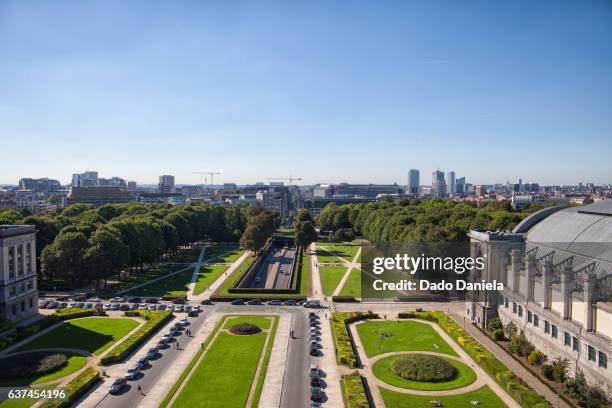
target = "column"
x: 566, y: 290
x: 516, y: 267
x: 546, y: 282
x: 530, y: 271
x: 588, y: 297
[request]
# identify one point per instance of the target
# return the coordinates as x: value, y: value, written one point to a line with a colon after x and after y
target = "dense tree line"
x: 83, y: 243
x: 414, y: 220
x: 259, y: 229
x: 305, y: 233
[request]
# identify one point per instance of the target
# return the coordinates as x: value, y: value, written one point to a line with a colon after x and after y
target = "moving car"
x: 118, y: 385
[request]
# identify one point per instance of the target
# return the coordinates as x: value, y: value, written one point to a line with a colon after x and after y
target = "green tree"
x: 105, y: 256
x: 305, y: 234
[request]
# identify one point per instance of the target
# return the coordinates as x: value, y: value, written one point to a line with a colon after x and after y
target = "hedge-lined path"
x: 481, y: 376
x: 479, y: 383
x: 327, y: 362
x: 352, y: 265
x: 317, y: 286
x: 513, y: 365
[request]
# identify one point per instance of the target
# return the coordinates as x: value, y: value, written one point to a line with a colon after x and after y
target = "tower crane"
x: 290, y: 178
x: 211, y: 173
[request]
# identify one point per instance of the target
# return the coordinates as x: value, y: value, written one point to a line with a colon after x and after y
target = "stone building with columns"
x: 556, y: 267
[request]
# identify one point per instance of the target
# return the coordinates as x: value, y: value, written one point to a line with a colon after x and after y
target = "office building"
x: 42, y: 185
x: 18, y: 290
x: 460, y: 186
x: 414, y: 182
x: 166, y: 184
x: 438, y: 184
x: 86, y: 179
x: 99, y: 195
x: 450, y: 183
x: 556, y: 268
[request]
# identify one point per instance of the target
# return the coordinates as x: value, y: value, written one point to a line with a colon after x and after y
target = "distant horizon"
x: 357, y: 92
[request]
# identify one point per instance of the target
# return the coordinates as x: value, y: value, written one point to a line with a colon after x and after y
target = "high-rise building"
x: 438, y: 184
x: 451, y: 187
x: 413, y: 181
x: 132, y: 186
x: 460, y: 185
x: 18, y: 292
x: 166, y: 184
x: 87, y: 179
x: 42, y: 185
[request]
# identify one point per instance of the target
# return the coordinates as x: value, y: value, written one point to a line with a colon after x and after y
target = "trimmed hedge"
x: 353, y: 391
x: 422, y: 367
x: 154, y: 320
x: 75, y: 389
x: 522, y: 393
x: 345, y: 351
x: 22, y: 333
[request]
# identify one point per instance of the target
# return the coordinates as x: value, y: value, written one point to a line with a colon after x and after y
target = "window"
x: 11, y: 262
x: 14, y: 310
x: 12, y: 291
x: 529, y: 316
x: 29, y: 257
x: 546, y: 327
x: 536, y: 320
x: 514, y: 307
x: 567, y: 339
x: 31, y: 303
x: 20, y: 260
x: 29, y: 285
x: 591, y: 350
x: 603, y: 360
x: 554, y: 332
x: 575, y: 344
x: 506, y: 303
x: 520, y: 311
x: 22, y: 305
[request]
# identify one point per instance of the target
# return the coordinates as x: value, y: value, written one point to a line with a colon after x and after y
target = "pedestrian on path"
x: 177, y: 345
x: 140, y: 390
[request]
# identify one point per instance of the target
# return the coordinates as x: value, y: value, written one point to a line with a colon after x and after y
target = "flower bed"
x: 353, y: 391
x: 345, y: 351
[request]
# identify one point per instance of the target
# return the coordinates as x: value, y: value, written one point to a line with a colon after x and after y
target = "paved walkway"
x: 196, y: 270
x: 317, y: 288
x: 327, y: 363
x: 516, y: 367
x: 351, y: 265
x: 273, y: 384
x: 221, y: 279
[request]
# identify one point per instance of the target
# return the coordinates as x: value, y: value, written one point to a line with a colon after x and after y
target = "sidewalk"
x: 273, y: 383
x: 327, y: 363
x: 317, y: 288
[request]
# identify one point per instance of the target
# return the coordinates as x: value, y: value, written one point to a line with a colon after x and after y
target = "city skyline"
x: 328, y: 94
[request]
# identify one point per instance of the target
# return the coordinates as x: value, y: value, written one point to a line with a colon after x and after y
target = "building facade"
x: 166, y: 184
x: 438, y: 184
x: 556, y: 267
x: 18, y: 290
x: 451, y: 187
x: 414, y: 182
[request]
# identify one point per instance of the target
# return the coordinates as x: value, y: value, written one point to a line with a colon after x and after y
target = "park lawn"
x: 260, y: 321
x: 352, y: 286
x: 231, y: 280
x: 305, y: 280
x: 222, y: 254
x: 225, y: 375
x: 206, y: 276
x: 175, y: 285
x: 405, y: 336
x: 75, y: 363
x: 344, y: 250
x: 93, y: 334
x: 331, y: 277
x: 231, y: 257
x: 486, y: 397
x: 382, y: 370
x: 186, y: 256
x: 137, y: 278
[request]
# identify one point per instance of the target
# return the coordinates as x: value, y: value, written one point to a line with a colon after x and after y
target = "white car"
x: 142, y: 306
x: 184, y: 322
x: 106, y: 306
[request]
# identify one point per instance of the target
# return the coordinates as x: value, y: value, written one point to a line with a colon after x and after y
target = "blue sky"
x: 356, y: 91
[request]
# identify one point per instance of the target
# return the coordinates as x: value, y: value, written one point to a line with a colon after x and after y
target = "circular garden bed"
x: 245, y: 329
x: 423, y: 372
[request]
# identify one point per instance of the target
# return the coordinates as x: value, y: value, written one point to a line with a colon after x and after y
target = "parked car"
x: 124, y: 306
x: 142, y: 306
x: 312, y: 303
x: 43, y: 304
x: 134, y: 299
x: 168, y: 336
x: 62, y: 305
x: 178, y: 308
x: 163, y: 343
x: 184, y: 322
x: 206, y: 302
x: 237, y: 302
x: 301, y: 302
x: 152, y: 300
x: 314, y: 369
x: 162, y: 307
x: 116, y: 299
x: 143, y: 361
x: 171, y: 308
x: 52, y: 305
x: 254, y: 302
x: 106, y: 306
x: 132, y: 372
x: 114, y: 306
x: 88, y: 305
x: 99, y: 306
x: 151, y: 307
x: 152, y: 352
x: 133, y: 306
x: 274, y: 303
x: 72, y: 305
x: 315, y: 380
x: 95, y: 299
x: 289, y: 302
x: 187, y: 308
x: 314, y: 347
x: 193, y: 313
x: 196, y: 308
x: 315, y: 393
x: 179, y: 301
x: 315, y: 404
x: 118, y: 385
x: 79, y: 304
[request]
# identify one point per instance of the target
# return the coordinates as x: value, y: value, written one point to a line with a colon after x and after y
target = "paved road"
x: 296, y: 391
x: 130, y: 397
x: 282, y: 280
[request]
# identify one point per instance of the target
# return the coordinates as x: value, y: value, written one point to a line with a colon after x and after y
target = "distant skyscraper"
x: 166, y: 184
x: 438, y: 184
x: 87, y: 179
x: 460, y: 185
x: 450, y: 183
x: 413, y: 181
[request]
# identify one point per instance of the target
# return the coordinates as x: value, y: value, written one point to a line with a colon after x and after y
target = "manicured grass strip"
x: 331, y: 277
x: 189, y: 367
x: 345, y: 353
x: 380, y: 337
x: 344, y: 250
x: 206, y: 276
x: 227, y: 258
x: 352, y: 286
x: 305, y: 279
x: 224, y: 376
x: 75, y: 389
x: 93, y: 334
x: 382, y: 370
x: 262, y: 373
x: 138, y: 278
x: 353, y: 391
x: 486, y: 397
x: 175, y: 285
x: 526, y: 396
x: 260, y: 321
x: 231, y: 280
x: 154, y: 319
